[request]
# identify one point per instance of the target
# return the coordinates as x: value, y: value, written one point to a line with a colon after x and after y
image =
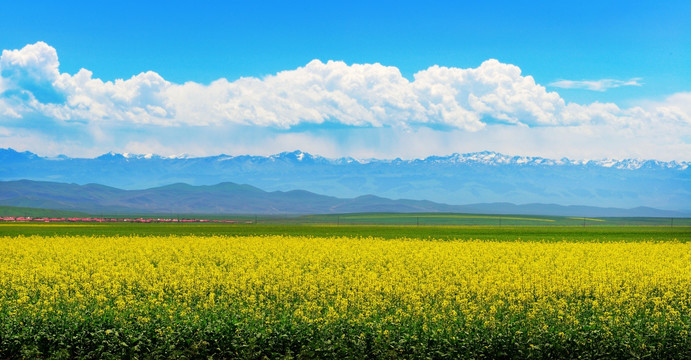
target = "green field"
x: 478, y: 219
x: 443, y: 226
x: 376, y: 218
x: 438, y: 232
x: 35, y: 212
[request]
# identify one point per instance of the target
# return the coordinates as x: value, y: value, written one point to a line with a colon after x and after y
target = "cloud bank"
x: 332, y: 108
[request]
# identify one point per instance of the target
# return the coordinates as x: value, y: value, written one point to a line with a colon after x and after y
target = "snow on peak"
x: 487, y: 158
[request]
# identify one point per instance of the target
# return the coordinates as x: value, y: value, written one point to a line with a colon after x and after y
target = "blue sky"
x: 635, y: 56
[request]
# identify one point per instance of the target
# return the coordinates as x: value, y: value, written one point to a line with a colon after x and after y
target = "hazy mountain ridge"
x: 484, y: 177
x: 231, y: 198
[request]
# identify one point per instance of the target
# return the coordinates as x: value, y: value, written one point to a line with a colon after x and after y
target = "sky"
x: 385, y: 79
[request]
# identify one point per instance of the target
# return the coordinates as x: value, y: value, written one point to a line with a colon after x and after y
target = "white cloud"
x: 37, y: 61
x: 363, y: 95
x: 331, y: 108
x: 676, y: 107
x: 596, y: 85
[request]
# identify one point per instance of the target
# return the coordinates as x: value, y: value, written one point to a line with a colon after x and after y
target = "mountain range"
x: 484, y: 177
x: 231, y: 198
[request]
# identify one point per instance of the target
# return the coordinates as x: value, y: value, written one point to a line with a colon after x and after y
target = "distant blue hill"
x: 231, y: 198
x: 484, y: 177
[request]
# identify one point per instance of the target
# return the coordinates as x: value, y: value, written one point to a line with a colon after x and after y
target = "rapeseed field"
x: 255, y: 297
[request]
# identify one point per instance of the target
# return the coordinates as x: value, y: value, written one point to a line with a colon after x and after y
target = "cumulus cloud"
x: 596, y: 85
x: 676, y: 107
x: 31, y: 71
x: 338, y: 109
x: 360, y: 95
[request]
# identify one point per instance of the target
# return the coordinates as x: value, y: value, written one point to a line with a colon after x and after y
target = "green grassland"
x: 35, y: 212
x: 439, y: 232
x: 373, y: 218
x: 480, y: 219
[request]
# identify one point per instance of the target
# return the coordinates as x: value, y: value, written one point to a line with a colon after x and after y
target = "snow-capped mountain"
x: 496, y: 159
x: 454, y: 179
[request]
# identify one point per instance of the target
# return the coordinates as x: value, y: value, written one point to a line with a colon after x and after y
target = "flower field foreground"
x: 304, y: 297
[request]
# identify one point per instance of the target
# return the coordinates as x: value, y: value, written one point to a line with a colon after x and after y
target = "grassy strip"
x: 500, y: 233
